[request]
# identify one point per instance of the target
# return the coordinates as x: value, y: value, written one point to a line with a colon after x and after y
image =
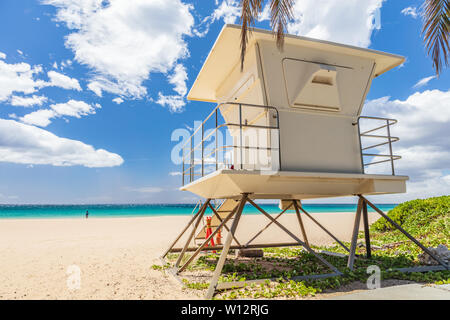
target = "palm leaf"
x: 280, y: 14
x: 435, y: 29
x: 250, y: 11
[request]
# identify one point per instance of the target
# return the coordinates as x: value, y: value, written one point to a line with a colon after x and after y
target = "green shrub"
x: 415, y: 213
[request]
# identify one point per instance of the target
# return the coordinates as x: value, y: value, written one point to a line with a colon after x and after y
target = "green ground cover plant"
x: 427, y: 220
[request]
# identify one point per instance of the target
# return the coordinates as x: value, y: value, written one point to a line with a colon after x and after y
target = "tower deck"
x: 226, y: 183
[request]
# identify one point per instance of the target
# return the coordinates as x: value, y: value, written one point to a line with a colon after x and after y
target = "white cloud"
x: 22, y: 78
x: 174, y: 103
x: 66, y: 63
x: 96, y: 87
x: 71, y: 108
x: 146, y: 189
x: 423, y: 82
x: 34, y: 100
x: 178, y: 79
x: 228, y: 10
x: 2, y: 55
x: 60, y: 80
x: 434, y: 185
x: 74, y: 108
x: 410, y: 11
x: 423, y: 127
x: 103, y: 83
x: 39, y: 118
x: 5, y: 197
x: 265, y: 14
x: 19, y: 77
x: 117, y: 100
x: 175, y: 173
x: 124, y: 41
x: 345, y: 21
x: 423, y: 117
x: 25, y: 144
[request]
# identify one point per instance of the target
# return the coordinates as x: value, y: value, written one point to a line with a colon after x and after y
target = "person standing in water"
x: 87, y: 214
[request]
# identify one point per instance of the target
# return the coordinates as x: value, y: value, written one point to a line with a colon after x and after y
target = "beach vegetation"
x: 427, y: 220
x: 195, y: 285
x: 160, y: 267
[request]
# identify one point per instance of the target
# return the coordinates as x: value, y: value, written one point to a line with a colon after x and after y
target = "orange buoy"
x: 219, y: 237
x: 209, y: 231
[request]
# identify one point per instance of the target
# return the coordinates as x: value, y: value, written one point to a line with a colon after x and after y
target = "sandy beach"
x: 115, y: 255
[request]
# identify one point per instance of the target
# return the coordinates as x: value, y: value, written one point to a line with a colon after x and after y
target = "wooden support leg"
x: 308, y: 248
x: 181, y: 234
x: 268, y: 225
x: 366, y: 230
x: 300, y: 221
x: 324, y: 229
x: 410, y: 237
x: 226, y: 248
x: 200, y: 217
x: 225, y: 226
x: 205, y: 243
x: 351, y: 257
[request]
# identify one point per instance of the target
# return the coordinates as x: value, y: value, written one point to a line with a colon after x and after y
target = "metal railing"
x: 199, y: 160
x: 374, y: 133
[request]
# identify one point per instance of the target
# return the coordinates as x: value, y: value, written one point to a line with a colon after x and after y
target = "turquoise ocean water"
x: 144, y: 210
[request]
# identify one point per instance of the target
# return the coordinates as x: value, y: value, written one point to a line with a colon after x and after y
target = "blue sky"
x: 62, y: 63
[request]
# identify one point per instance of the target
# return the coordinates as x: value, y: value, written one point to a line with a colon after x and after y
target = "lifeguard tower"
x: 288, y: 126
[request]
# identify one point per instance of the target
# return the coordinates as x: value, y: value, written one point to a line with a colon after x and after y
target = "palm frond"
x: 435, y: 29
x: 250, y: 11
x: 280, y: 14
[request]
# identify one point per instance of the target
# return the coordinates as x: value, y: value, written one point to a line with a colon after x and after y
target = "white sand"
x: 115, y: 254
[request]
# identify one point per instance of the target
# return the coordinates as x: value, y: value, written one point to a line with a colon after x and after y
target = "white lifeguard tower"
x: 286, y: 127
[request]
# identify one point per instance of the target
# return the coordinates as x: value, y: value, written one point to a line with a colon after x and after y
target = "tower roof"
x: 225, y: 54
